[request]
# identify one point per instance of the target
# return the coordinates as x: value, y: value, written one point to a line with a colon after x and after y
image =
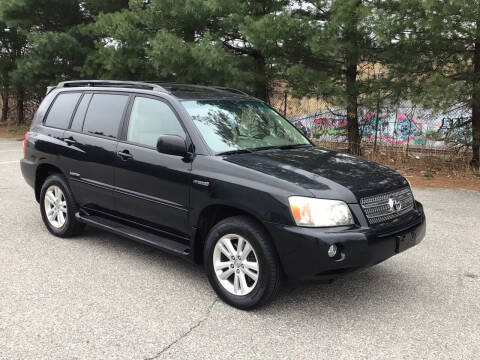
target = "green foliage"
x: 45, y: 15
x: 182, y: 40
x: 429, y: 175
x: 96, y: 7
x: 51, y: 57
x: 11, y: 43
x: 331, y: 50
x: 120, y: 48
x: 351, y: 53
x: 443, y: 39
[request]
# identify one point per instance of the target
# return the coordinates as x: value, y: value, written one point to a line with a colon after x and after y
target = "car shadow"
x: 381, y: 284
x: 141, y: 253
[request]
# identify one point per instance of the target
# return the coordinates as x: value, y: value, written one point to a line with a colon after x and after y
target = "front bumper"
x: 303, y: 251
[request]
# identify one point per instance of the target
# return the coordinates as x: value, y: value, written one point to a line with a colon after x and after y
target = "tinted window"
x: 77, y: 122
x: 62, y: 109
x: 149, y: 119
x: 105, y: 114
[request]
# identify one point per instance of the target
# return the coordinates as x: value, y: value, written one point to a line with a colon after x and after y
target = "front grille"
x: 378, y: 208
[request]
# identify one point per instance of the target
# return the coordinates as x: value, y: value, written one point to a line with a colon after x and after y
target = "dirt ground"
x: 12, y: 132
x: 464, y: 181
x: 436, y: 172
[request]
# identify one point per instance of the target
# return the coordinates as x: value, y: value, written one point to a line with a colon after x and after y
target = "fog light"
x: 332, y: 250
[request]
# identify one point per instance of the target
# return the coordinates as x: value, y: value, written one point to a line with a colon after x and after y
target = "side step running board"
x: 139, y: 235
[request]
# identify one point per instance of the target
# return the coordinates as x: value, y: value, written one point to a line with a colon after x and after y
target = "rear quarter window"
x: 62, y: 110
x: 104, y: 114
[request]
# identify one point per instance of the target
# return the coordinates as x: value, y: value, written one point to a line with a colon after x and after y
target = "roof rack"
x: 223, y: 88
x: 232, y: 90
x: 117, y: 83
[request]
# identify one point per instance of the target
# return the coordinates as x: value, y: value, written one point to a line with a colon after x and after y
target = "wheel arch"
x: 43, y: 172
x: 211, y: 215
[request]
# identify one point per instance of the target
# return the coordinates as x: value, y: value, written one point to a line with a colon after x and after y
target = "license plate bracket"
x: 405, y: 241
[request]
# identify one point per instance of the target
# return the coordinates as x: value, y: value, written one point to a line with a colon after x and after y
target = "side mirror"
x: 172, y: 145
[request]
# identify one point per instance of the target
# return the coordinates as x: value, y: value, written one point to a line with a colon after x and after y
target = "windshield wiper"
x: 238, y: 151
x: 251, y: 150
x: 293, y: 146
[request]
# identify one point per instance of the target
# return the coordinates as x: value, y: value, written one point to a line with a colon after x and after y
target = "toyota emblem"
x: 394, y: 204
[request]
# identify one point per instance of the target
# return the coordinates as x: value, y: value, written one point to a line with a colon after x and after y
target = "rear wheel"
x: 58, y: 207
x: 241, y: 263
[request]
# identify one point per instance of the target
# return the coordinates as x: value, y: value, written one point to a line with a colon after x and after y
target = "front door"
x: 152, y: 188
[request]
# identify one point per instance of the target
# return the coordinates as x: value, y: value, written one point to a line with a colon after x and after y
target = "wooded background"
x: 351, y: 54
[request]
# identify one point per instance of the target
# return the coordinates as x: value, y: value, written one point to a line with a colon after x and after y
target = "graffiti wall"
x: 397, y: 128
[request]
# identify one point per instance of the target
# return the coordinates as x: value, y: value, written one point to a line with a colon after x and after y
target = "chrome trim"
x: 377, y: 208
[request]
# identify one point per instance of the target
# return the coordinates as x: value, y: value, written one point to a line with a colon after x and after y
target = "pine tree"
x: 322, y: 48
x: 442, y: 40
x: 10, y: 43
x: 194, y: 41
x: 42, y: 45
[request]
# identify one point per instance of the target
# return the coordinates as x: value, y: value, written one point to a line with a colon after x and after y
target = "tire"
x: 57, y: 186
x: 248, y: 293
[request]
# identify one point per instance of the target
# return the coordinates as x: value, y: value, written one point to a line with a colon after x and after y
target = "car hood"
x: 325, y: 173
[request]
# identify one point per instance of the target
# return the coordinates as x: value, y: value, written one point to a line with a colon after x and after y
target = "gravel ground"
x: 99, y: 296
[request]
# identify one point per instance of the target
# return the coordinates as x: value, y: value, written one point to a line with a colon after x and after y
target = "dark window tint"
x: 105, y: 114
x: 62, y: 109
x: 77, y: 122
x: 149, y: 119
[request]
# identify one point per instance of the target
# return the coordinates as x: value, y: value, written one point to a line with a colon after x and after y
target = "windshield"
x: 229, y: 126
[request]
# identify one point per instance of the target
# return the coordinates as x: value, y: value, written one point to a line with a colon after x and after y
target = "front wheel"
x: 241, y: 263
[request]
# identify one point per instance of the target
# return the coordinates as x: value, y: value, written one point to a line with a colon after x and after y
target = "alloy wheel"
x: 55, y: 205
x: 236, y: 264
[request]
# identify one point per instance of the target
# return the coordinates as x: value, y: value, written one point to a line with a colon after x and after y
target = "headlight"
x: 319, y: 212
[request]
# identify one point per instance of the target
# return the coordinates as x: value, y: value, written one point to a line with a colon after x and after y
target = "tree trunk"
x: 351, y: 73
x: 4, y: 106
x: 475, y: 162
x: 377, y: 118
x: 20, y: 107
x: 395, y: 129
x: 353, y: 134
x: 261, y: 81
x: 409, y: 131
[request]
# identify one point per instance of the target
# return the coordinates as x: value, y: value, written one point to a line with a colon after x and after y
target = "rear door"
x: 92, y: 140
x: 152, y: 188
x: 49, y: 140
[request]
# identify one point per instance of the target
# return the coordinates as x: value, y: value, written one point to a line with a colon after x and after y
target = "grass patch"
x: 10, y: 131
x: 429, y: 175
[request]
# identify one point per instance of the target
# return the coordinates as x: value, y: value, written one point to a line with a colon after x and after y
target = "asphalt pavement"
x: 99, y: 296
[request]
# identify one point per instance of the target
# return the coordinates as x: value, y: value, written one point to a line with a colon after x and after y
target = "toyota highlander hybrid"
x: 214, y: 176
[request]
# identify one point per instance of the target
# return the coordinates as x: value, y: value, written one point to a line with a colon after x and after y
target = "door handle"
x: 70, y: 141
x: 125, y: 155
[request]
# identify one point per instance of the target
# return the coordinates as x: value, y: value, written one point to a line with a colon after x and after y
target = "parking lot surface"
x: 99, y: 296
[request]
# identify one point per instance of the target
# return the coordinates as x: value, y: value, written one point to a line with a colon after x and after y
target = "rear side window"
x: 62, y: 109
x: 77, y: 121
x: 149, y: 120
x: 104, y: 114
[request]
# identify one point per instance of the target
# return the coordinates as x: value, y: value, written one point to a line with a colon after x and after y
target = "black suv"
x: 214, y: 176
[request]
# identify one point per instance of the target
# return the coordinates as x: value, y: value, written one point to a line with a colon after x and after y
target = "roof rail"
x: 236, y: 91
x: 117, y: 83
x: 49, y: 89
x: 223, y: 88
